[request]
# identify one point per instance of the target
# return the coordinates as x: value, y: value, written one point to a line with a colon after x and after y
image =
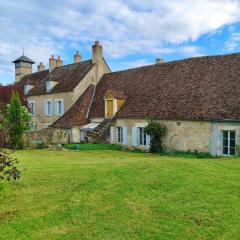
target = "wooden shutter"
x: 125, y: 136
x: 51, y: 108
x: 134, y: 136
x: 34, y: 108
x: 45, y: 108
x: 148, y: 141
x: 113, y: 135
x: 62, y: 107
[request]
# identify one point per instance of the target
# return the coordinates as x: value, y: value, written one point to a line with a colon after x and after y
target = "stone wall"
x: 48, y: 136
x: 181, y: 135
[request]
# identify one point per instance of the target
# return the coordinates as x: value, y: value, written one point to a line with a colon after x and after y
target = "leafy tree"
x: 8, y: 169
x: 16, y: 120
x: 156, y: 130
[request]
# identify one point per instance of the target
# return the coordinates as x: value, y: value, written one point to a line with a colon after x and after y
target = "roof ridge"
x: 174, y: 61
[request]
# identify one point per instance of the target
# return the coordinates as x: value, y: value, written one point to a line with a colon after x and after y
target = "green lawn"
x: 120, y: 195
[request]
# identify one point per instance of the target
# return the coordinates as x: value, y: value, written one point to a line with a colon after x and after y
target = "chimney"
x: 159, y: 61
x: 41, y: 67
x: 97, y: 52
x: 52, y: 63
x: 77, y: 57
x: 59, y: 62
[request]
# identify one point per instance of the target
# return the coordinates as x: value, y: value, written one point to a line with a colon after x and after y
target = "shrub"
x: 156, y: 130
x: 8, y: 169
x: 17, y: 119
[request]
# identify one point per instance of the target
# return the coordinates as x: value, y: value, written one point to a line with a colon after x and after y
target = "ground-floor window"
x: 142, y: 136
x: 229, y: 143
x: 34, y: 126
x: 120, y: 134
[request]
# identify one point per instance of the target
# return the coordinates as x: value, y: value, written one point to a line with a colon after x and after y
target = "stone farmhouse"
x: 197, y: 99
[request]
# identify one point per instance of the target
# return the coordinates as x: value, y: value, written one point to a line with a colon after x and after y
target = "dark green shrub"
x: 156, y: 130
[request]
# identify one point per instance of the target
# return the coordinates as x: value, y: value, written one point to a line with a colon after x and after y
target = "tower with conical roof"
x: 23, y: 66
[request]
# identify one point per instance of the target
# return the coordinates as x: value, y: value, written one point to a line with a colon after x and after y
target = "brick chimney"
x: 77, y: 57
x: 97, y: 51
x: 41, y: 67
x: 52, y: 63
x: 159, y: 61
x: 59, y: 62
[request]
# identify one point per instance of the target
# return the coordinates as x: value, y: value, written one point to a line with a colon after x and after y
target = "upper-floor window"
x: 120, y: 134
x: 142, y: 136
x: 32, y: 107
x: 26, y: 90
x: 59, y: 107
x: 48, y: 86
x: 228, y: 142
x: 48, y: 107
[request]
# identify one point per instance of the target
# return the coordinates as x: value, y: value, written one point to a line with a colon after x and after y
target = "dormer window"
x: 26, y: 90
x: 48, y: 86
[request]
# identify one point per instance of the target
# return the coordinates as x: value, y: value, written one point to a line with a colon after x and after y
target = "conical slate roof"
x: 23, y: 59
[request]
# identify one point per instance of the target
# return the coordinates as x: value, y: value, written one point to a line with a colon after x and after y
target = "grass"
x: 111, y: 194
x: 86, y: 146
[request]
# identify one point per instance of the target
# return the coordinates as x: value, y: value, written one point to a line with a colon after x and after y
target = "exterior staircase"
x: 101, y: 133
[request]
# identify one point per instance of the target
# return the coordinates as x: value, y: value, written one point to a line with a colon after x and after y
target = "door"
x: 109, y: 108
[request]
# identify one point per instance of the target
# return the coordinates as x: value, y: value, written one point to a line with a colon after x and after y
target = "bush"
x: 8, y: 169
x: 17, y: 119
x: 156, y: 130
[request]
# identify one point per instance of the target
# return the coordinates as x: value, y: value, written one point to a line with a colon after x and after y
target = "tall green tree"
x: 16, y: 120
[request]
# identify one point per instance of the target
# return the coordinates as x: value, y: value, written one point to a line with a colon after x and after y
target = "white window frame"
x: 142, y: 137
x: 120, y: 135
x: 48, y: 86
x: 26, y: 90
x: 33, y: 109
x: 34, y: 126
x: 228, y: 143
x: 50, y: 112
x: 59, y: 107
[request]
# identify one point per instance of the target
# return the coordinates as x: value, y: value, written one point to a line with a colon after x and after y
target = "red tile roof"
x: 6, y: 93
x: 67, y: 76
x: 202, y: 88
x: 76, y: 115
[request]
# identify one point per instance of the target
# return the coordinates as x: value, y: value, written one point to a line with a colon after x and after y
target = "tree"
x: 156, y: 130
x: 8, y: 168
x: 16, y: 120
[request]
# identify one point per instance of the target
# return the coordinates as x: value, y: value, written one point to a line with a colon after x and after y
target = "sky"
x: 133, y: 33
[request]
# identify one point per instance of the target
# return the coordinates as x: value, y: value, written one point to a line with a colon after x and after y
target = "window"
x: 48, y: 107
x: 120, y: 134
x: 48, y: 86
x: 59, y: 107
x: 34, y: 126
x: 32, y: 107
x: 26, y: 89
x: 142, y: 136
x: 228, y: 142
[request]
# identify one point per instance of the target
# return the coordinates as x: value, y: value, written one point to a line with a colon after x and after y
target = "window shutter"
x: 45, y: 107
x: 51, y: 107
x: 34, y: 109
x: 134, y: 136
x: 124, y: 136
x: 148, y: 141
x: 113, y: 135
x: 62, y: 107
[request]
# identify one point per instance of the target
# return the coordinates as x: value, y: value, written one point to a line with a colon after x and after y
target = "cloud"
x: 233, y: 42
x: 154, y: 27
